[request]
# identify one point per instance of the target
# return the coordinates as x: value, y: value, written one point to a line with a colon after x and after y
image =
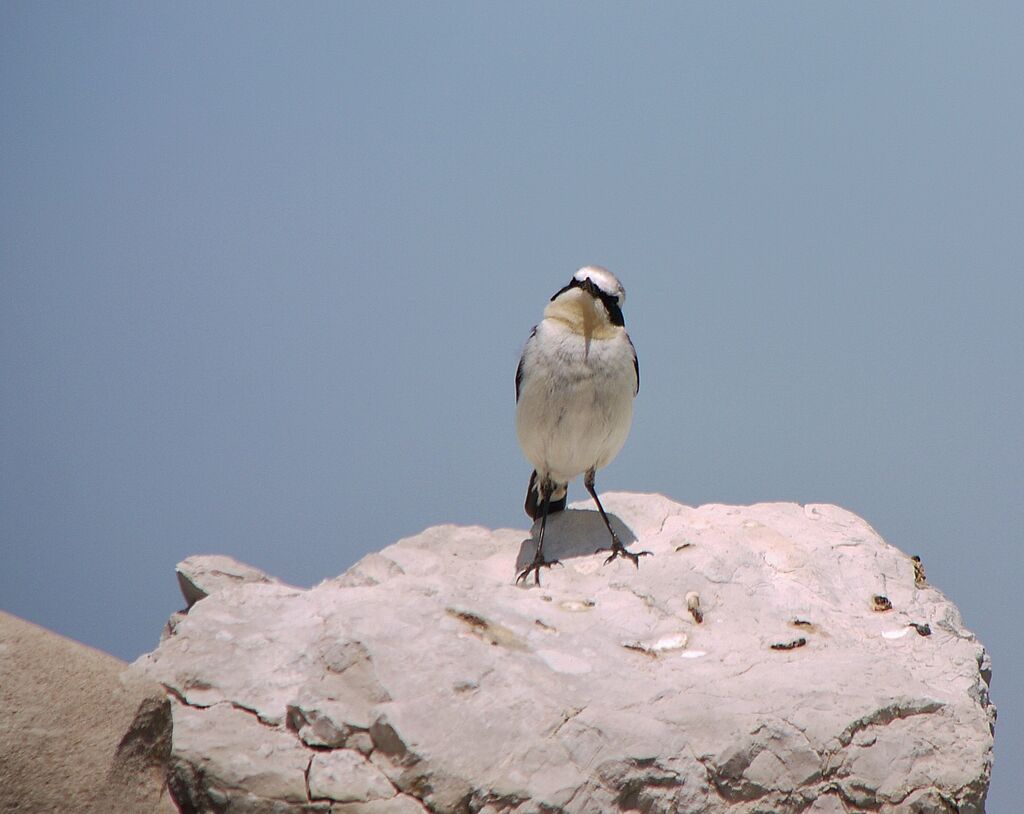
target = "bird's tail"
x: 534, y: 504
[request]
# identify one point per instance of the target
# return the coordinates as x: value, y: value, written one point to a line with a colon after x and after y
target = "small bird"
x: 575, y: 386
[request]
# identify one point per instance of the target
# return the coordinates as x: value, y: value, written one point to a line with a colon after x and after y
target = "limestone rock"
x: 747, y: 666
x: 76, y: 731
x: 198, y: 577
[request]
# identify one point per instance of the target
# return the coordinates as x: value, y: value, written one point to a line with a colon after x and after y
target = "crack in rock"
x: 898, y: 710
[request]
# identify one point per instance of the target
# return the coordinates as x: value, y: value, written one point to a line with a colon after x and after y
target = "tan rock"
x: 76, y: 732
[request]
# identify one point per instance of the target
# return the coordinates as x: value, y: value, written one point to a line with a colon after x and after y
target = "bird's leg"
x: 546, y: 488
x: 618, y: 549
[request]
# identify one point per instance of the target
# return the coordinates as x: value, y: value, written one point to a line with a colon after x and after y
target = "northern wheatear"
x: 575, y: 387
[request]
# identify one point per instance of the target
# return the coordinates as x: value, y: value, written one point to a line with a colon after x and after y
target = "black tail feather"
x: 534, y: 507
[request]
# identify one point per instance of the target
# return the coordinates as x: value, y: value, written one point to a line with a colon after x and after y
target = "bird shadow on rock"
x: 573, y: 533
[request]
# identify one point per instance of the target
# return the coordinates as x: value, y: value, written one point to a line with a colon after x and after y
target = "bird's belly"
x: 566, y: 430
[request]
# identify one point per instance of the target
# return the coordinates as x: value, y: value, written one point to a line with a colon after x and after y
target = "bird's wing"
x: 636, y: 366
x: 522, y: 359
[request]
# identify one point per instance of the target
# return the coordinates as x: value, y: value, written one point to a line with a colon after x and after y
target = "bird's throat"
x: 578, y: 311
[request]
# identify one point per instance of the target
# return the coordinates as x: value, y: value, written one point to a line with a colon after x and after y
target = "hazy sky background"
x: 267, y: 270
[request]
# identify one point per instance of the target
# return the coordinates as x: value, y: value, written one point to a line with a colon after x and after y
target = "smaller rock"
x: 659, y: 645
x: 792, y: 644
x: 920, y: 580
x: 200, y: 576
x: 361, y: 742
x: 344, y: 776
x: 316, y: 730
x: 224, y: 754
x: 330, y: 723
x: 693, y: 605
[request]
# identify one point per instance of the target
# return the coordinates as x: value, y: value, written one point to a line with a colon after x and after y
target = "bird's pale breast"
x: 576, y: 400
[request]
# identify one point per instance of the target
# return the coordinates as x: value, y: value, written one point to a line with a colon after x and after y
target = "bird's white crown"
x: 604, y: 280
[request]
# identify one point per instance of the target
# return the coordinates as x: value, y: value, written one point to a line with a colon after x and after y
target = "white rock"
x: 200, y: 576
x: 225, y: 753
x: 347, y: 777
x: 598, y: 691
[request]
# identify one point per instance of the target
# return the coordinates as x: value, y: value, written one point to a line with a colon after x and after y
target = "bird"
x: 575, y: 386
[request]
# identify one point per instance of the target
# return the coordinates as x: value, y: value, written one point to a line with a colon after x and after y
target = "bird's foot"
x: 534, y: 568
x: 619, y: 550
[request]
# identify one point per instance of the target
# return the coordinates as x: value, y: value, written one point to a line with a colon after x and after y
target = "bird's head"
x: 591, y: 302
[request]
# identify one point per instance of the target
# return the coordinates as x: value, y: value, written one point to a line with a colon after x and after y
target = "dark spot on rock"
x: 470, y: 619
x: 792, y: 645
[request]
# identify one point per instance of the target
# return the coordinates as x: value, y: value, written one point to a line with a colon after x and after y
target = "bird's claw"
x: 619, y: 550
x: 534, y: 568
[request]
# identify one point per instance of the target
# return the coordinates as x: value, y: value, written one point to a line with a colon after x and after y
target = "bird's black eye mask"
x: 611, y: 304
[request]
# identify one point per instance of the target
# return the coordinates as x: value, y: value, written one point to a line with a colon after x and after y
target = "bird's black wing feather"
x: 522, y: 359
x: 534, y: 507
x: 636, y: 367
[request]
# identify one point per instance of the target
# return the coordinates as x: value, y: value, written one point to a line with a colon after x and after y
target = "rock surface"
x: 198, y: 577
x: 770, y: 658
x: 76, y: 732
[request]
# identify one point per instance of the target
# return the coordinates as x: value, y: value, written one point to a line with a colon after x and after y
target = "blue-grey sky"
x: 267, y: 270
